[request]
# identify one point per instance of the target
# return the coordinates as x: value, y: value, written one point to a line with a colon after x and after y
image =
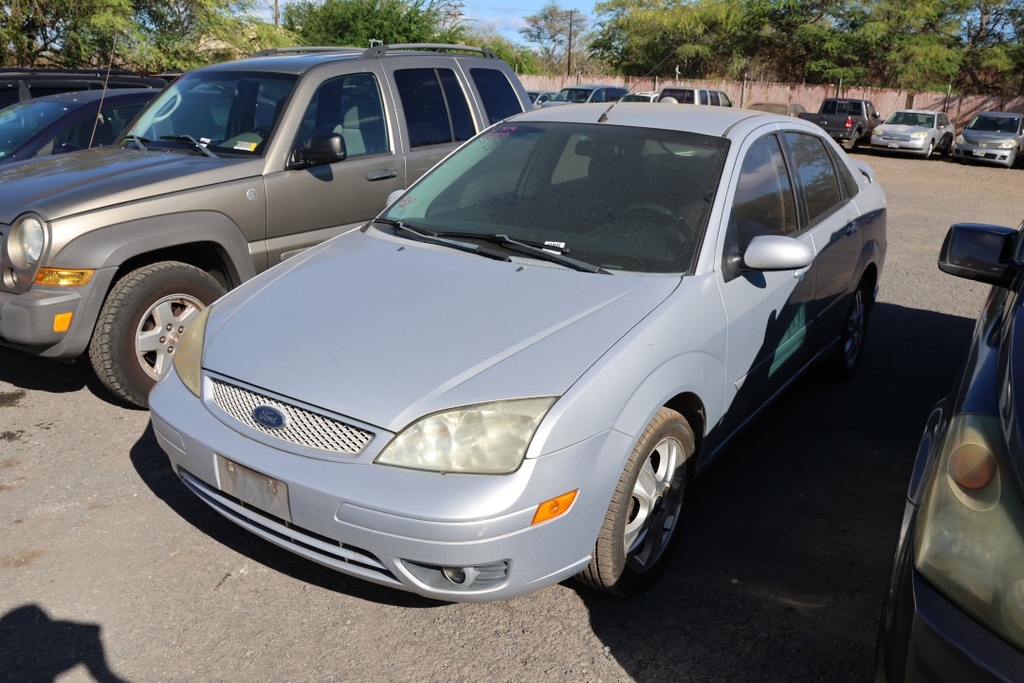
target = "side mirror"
x: 986, y: 253
x: 322, y: 148
x: 777, y: 252
x: 393, y: 197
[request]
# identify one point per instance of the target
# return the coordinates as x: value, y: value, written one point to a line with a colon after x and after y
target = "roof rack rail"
x: 304, y: 49
x: 379, y: 50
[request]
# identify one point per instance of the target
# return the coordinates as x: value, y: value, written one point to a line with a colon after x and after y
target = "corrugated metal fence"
x: 959, y: 108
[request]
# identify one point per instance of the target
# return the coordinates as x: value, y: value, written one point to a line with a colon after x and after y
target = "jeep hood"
x: 68, y: 184
x: 386, y: 331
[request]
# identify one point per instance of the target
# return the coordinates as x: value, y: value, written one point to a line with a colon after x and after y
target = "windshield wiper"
x: 140, y: 142
x: 553, y: 253
x: 430, y: 237
x: 190, y: 140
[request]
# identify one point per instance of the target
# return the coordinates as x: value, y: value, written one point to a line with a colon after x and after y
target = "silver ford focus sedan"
x: 513, y: 375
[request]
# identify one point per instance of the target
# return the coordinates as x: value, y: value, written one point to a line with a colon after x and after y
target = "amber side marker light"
x: 972, y: 467
x: 61, y: 322
x: 555, y: 507
x: 62, y: 277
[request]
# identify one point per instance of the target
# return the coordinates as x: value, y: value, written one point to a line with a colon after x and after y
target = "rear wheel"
x: 641, y: 524
x: 851, y: 337
x: 141, y: 323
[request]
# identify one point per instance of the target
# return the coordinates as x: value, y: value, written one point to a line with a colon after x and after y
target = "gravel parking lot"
x: 112, y: 571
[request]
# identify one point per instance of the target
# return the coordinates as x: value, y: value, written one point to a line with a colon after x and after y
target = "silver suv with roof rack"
x: 232, y: 169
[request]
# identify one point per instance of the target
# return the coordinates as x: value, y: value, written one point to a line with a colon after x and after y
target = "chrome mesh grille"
x: 304, y: 428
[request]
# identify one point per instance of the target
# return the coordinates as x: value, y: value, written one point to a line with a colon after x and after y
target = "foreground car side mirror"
x: 776, y: 252
x: 986, y: 253
x: 322, y: 148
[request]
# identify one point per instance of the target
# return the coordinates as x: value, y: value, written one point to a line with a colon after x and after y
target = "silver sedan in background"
x: 513, y: 375
x: 914, y: 131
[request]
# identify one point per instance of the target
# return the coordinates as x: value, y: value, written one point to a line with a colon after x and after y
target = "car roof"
x: 87, y: 96
x: 702, y: 119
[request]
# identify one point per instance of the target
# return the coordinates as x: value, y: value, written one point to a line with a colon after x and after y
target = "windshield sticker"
x: 399, y: 209
x: 244, y: 146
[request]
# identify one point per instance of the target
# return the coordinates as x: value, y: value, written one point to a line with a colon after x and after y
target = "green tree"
x: 357, y: 22
x: 520, y: 58
x: 558, y: 34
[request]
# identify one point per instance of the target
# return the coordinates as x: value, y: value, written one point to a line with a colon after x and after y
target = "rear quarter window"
x: 436, y: 109
x: 496, y: 93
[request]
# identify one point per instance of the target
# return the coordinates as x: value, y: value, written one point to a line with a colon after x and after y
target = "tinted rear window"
x: 498, y: 96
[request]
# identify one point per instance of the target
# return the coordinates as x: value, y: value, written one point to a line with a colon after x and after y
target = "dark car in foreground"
x: 68, y: 122
x: 955, y: 605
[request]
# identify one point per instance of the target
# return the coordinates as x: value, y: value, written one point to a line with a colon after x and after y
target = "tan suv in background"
x: 232, y: 169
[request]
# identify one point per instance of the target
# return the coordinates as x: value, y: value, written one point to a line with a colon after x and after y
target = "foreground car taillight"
x: 969, y: 541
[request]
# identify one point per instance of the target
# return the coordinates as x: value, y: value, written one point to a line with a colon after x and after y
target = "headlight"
x: 188, y: 357
x: 919, y: 134
x: 490, y: 438
x: 960, y: 140
x: 25, y: 246
x: 878, y: 131
x: 968, y: 541
x: 1008, y: 144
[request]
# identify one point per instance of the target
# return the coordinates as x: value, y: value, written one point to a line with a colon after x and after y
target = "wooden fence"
x: 959, y: 108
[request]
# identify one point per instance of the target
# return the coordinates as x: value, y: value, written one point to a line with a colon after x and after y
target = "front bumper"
x: 989, y: 155
x: 37, y: 321
x: 894, y: 143
x: 394, y: 526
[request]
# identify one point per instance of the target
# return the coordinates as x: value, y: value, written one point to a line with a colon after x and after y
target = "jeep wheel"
x: 141, y: 322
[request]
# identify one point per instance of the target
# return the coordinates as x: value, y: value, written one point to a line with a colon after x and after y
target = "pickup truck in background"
x: 849, y: 122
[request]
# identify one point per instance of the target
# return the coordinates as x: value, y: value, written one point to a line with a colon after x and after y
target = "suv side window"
x: 703, y: 96
x: 436, y: 110
x: 351, y: 107
x: 816, y: 174
x: 497, y: 94
x: 764, y: 203
x: 713, y: 98
x: 726, y: 102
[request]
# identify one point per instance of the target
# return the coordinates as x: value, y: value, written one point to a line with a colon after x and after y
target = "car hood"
x: 978, y: 137
x: 387, y: 331
x: 901, y: 129
x: 67, y: 184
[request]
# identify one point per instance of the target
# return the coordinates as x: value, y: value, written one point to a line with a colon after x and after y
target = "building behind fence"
x: 959, y: 108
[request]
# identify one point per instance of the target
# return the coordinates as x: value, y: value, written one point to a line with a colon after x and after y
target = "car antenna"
x: 604, y: 115
x: 103, y: 94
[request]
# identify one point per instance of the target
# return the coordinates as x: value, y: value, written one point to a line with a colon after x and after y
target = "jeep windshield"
x: 614, y: 197
x: 222, y: 113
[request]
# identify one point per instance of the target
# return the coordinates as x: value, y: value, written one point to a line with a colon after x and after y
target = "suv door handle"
x: 381, y: 173
x: 852, y: 227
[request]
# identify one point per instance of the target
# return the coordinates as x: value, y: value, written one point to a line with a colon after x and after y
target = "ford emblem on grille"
x: 271, y: 418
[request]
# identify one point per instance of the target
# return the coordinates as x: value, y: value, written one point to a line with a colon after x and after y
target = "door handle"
x: 852, y: 227
x: 381, y: 173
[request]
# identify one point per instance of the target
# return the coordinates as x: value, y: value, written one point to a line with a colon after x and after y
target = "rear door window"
x: 816, y: 174
x: 436, y: 108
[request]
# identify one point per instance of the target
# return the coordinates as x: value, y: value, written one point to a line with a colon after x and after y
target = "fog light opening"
x: 458, y: 575
x: 468, y: 578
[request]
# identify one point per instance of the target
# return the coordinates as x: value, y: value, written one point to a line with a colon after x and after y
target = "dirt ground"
x: 111, y: 571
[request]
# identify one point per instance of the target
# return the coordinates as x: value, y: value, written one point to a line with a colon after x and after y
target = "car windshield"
x: 19, y: 122
x: 222, y: 112
x: 572, y: 95
x: 994, y: 124
x: 617, y: 198
x: 909, y: 118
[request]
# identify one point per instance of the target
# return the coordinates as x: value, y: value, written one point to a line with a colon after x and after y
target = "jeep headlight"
x: 968, y: 542
x: 188, y: 357
x: 490, y: 438
x: 25, y: 245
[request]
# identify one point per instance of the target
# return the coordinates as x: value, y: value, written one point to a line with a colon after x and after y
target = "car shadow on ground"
x: 32, y: 373
x: 784, y: 558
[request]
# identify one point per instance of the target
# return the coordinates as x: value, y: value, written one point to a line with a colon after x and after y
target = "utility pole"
x: 568, y: 68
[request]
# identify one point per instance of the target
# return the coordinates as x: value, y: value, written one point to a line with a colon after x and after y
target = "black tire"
x: 126, y: 354
x: 848, y: 355
x: 642, y: 522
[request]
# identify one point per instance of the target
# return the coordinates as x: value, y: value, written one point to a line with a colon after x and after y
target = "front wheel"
x: 646, y: 509
x: 141, y: 322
